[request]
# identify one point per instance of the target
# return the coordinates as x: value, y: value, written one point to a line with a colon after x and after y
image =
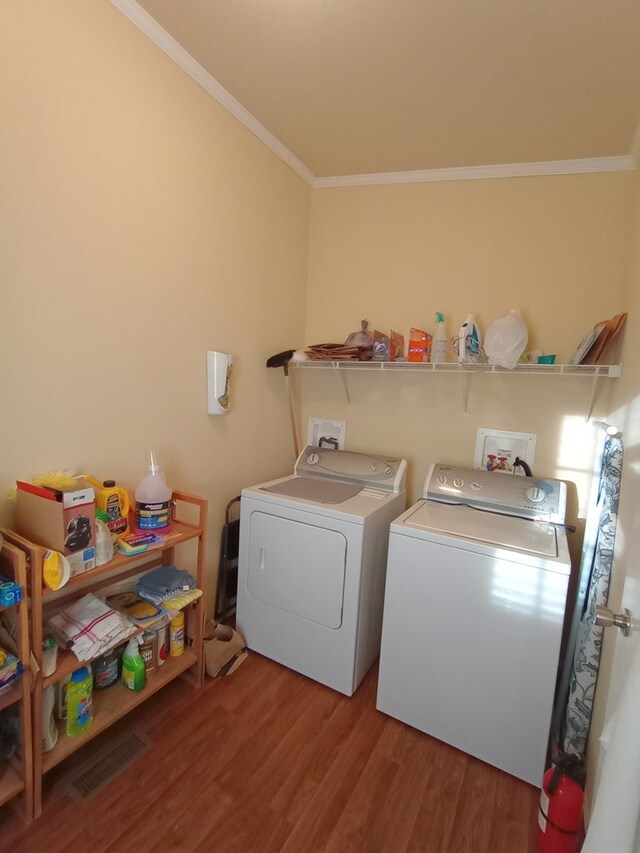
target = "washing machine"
x: 312, y: 561
x: 477, y: 580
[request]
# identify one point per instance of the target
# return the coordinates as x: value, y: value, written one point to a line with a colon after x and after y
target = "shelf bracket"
x: 594, y: 388
x: 465, y: 393
x: 343, y: 379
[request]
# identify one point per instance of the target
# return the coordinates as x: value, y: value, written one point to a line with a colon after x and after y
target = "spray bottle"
x: 439, y: 344
x: 133, y: 674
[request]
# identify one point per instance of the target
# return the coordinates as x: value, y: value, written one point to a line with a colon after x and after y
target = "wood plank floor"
x: 267, y: 760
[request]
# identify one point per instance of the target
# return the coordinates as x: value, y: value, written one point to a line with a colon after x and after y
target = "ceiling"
x: 366, y: 87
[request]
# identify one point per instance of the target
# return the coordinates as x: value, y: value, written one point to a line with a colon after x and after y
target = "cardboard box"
x: 224, y: 650
x: 60, y: 519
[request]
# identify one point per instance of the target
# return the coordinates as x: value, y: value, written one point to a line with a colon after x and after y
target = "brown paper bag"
x: 224, y: 649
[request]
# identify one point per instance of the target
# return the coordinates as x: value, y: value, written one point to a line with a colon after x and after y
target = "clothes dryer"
x: 477, y: 580
x: 312, y: 562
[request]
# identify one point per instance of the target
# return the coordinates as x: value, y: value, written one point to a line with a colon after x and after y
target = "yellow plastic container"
x: 114, y: 500
x: 176, y: 635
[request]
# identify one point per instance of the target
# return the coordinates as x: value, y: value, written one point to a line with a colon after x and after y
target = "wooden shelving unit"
x: 114, y: 702
x: 16, y: 776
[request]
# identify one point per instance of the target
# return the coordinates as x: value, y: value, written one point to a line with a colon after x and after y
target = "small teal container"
x: 546, y: 359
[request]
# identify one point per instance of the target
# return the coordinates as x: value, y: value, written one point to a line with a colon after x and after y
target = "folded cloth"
x: 89, y: 627
x: 174, y: 601
x: 165, y: 579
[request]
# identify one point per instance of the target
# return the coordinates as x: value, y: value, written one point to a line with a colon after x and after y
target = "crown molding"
x: 152, y: 29
x: 159, y: 36
x: 624, y: 163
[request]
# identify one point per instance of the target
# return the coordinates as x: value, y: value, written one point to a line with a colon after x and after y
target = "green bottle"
x: 79, y: 704
x: 133, y: 666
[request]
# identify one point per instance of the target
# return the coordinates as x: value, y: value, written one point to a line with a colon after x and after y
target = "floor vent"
x: 104, y: 766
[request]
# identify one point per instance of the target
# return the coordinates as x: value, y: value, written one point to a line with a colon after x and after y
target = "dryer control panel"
x: 378, y: 472
x: 527, y: 497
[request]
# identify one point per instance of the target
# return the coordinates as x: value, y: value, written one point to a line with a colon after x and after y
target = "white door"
x: 615, y: 816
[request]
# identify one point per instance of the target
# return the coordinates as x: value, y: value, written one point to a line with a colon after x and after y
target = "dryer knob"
x: 388, y: 470
x: 535, y: 495
x: 458, y: 482
x: 442, y: 480
x: 373, y: 468
x: 475, y: 485
x: 313, y: 459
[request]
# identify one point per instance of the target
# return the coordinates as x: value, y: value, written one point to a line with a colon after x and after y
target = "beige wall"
x: 560, y: 248
x: 140, y: 226
x: 557, y: 248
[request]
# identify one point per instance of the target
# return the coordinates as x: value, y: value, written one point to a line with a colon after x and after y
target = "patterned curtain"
x: 588, y: 644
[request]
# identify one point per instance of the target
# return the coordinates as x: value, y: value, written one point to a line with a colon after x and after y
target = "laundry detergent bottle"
x: 153, y: 500
x: 114, y: 500
x: 79, y: 702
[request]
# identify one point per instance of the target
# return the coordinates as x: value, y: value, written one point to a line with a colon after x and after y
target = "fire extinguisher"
x: 560, y: 812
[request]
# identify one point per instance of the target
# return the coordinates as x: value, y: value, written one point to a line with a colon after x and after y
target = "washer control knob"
x: 313, y: 458
x: 458, y: 482
x: 475, y: 485
x: 388, y: 470
x: 373, y: 468
x: 535, y: 494
x: 442, y: 480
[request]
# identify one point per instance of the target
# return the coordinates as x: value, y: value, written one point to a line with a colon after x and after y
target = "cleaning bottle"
x: 153, y: 499
x: 176, y: 635
x: 439, y: 344
x: 113, y: 500
x: 470, y: 344
x: 104, y: 542
x: 133, y: 666
x: 79, y: 702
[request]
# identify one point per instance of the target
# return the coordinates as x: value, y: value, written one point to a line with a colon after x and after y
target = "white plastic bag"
x: 506, y: 340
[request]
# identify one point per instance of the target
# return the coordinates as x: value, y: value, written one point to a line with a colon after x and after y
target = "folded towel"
x: 165, y: 579
x: 174, y: 601
x: 89, y: 627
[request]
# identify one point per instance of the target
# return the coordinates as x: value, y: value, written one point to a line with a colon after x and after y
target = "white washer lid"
x: 489, y: 528
x: 310, y: 489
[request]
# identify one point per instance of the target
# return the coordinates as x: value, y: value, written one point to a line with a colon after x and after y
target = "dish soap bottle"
x: 133, y: 666
x: 439, y: 344
x: 153, y: 499
x: 79, y: 704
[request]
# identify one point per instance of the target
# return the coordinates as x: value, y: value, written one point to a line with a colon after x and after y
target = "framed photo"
x: 497, y: 450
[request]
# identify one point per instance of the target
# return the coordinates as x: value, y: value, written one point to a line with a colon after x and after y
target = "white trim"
x: 624, y: 163
x: 152, y: 29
